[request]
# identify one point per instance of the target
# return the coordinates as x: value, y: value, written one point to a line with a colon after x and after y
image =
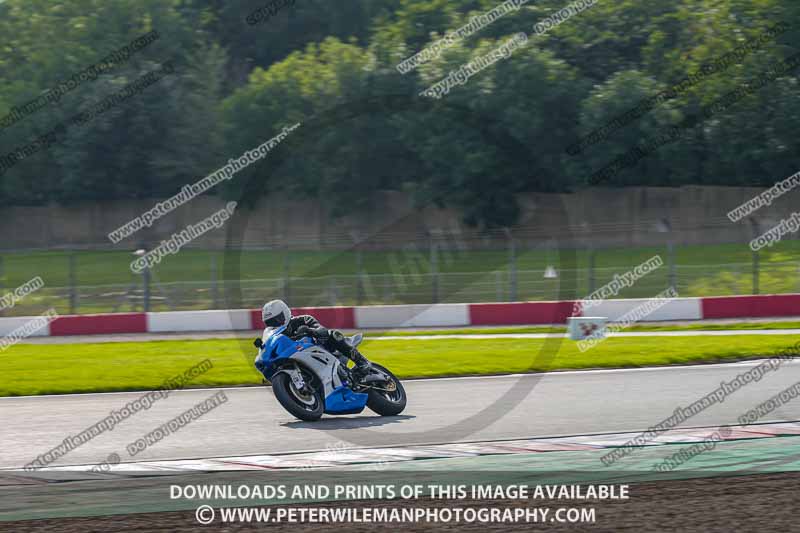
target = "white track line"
x: 694, y: 333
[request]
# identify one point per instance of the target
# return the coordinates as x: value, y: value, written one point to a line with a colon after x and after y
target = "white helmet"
x: 276, y: 314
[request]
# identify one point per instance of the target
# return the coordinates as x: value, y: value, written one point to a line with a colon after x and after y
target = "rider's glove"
x: 321, y: 334
x: 258, y: 343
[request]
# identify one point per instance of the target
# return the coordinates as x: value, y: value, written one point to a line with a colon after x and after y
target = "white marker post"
x: 582, y: 327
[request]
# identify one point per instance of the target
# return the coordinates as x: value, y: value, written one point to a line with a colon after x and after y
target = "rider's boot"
x: 362, y: 365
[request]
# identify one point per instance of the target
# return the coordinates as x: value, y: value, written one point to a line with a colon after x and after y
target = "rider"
x: 276, y: 313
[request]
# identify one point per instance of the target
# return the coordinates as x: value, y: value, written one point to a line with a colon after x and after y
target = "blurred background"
x: 439, y: 202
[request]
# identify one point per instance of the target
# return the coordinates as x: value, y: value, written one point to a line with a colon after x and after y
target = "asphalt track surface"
x: 439, y: 411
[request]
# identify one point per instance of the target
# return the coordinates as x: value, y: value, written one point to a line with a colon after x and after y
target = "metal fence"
x: 84, y: 282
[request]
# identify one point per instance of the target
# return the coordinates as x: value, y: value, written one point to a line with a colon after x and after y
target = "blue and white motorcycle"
x: 308, y: 380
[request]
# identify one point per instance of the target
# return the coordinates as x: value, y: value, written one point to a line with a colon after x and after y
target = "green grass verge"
x: 70, y: 368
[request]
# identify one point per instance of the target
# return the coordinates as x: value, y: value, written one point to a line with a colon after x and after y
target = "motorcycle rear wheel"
x: 388, y: 402
x: 305, y: 405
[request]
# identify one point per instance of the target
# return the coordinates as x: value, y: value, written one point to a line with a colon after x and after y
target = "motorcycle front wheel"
x: 307, y: 404
x: 389, y: 398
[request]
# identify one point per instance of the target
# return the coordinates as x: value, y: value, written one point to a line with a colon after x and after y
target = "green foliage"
x: 332, y: 67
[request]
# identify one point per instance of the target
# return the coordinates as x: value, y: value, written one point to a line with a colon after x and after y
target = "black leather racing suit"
x: 332, y: 340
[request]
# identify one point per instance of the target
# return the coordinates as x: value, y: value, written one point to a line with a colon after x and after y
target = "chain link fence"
x: 83, y: 282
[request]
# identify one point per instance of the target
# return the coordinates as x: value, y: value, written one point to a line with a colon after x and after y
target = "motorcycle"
x: 308, y: 380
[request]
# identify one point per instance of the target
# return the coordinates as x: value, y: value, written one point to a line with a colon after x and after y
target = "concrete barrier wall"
x: 677, y: 309
x: 222, y: 320
x: 8, y: 325
x: 99, y: 324
x: 520, y: 313
x: 332, y: 317
x: 404, y: 316
x: 411, y: 316
x: 752, y: 306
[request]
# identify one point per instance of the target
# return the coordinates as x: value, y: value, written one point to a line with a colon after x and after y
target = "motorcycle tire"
x: 308, y: 407
x: 387, y: 403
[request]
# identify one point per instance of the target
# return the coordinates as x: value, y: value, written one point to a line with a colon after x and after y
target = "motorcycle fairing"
x: 343, y: 401
x: 339, y: 398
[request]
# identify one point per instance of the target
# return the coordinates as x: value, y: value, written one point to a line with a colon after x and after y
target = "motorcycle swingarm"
x: 377, y: 375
